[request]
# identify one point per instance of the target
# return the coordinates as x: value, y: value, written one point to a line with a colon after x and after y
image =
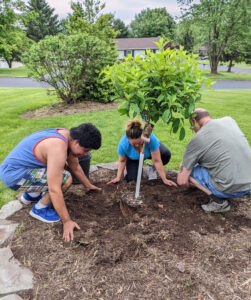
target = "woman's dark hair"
x: 133, y: 129
x: 87, y: 135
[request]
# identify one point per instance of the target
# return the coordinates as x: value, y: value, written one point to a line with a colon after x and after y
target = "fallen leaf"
x: 160, y: 206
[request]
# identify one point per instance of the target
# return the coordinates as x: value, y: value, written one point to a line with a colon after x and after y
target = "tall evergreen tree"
x: 44, y: 23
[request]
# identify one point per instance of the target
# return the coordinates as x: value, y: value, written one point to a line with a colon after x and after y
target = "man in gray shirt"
x: 217, y: 160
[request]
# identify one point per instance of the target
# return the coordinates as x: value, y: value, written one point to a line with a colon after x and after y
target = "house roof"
x: 137, y: 43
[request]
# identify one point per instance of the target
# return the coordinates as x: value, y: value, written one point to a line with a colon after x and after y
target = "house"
x: 202, y: 51
x: 136, y: 46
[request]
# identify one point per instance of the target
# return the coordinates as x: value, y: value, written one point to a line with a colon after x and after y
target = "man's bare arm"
x: 183, y: 176
x: 56, y: 158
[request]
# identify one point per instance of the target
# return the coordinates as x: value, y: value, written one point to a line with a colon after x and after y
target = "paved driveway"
x: 30, y: 83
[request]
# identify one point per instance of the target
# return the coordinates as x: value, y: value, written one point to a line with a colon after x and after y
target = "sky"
x: 122, y: 9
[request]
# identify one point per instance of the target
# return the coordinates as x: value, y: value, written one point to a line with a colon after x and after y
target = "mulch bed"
x: 168, y: 248
x: 63, y: 109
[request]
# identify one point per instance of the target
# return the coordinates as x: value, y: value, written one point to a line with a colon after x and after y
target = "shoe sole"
x: 222, y: 210
x: 41, y: 219
x: 26, y: 202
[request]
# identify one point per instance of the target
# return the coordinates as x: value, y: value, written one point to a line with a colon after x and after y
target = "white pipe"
x: 141, y: 161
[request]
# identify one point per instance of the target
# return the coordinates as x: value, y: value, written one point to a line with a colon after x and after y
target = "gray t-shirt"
x: 222, y: 148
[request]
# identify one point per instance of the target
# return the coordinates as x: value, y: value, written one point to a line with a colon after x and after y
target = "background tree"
x: 88, y: 10
x: 13, y: 40
x: 119, y: 26
x: 13, y: 45
x: 93, y: 23
x: 40, y: 21
x: 152, y: 23
x: 189, y: 35
x: 247, y: 47
x: 219, y: 20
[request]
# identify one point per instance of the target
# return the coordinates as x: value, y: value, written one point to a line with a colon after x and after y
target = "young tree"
x: 152, y: 23
x: 39, y: 20
x: 219, y: 20
x: 163, y: 85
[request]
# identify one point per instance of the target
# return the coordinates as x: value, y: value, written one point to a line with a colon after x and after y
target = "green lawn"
x: 223, y: 75
x: 14, y: 102
x: 16, y: 72
x: 236, y: 65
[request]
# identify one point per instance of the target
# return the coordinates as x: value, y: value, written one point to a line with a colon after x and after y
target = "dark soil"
x: 63, y: 109
x: 166, y: 249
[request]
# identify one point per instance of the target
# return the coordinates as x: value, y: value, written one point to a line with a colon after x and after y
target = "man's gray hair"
x: 199, y: 113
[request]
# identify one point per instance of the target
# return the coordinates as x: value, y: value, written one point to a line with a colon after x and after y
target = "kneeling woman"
x: 129, y: 149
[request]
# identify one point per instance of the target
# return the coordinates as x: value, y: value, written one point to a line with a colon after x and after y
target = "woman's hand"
x: 115, y: 180
x: 169, y: 182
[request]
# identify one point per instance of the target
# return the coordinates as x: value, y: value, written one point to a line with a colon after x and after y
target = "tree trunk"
x: 230, y: 65
x: 213, y: 64
x: 9, y: 62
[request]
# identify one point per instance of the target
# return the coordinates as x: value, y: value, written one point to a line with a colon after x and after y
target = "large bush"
x: 158, y: 85
x: 72, y: 64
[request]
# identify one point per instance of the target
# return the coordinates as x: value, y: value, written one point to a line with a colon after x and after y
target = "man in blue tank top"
x: 37, y: 165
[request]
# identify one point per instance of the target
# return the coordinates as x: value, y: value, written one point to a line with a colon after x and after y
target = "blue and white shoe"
x: 46, y: 214
x: 26, y: 198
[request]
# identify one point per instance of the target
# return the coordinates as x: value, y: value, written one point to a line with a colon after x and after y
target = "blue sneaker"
x: 26, y: 198
x: 47, y: 214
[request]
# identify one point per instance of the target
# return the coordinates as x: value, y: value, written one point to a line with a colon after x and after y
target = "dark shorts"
x: 36, y: 181
x: 201, y: 175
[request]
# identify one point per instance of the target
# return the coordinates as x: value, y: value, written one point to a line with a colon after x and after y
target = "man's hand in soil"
x: 92, y: 187
x: 68, y: 230
x: 169, y: 182
x: 115, y: 180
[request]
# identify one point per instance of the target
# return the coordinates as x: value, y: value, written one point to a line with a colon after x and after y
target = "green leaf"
x: 182, y: 133
x: 176, y: 124
x: 135, y: 108
x: 161, y: 97
x: 166, y: 115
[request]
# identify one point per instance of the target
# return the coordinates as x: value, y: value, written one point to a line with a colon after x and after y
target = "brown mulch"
x: 62, y: 109
x: 167, y: 248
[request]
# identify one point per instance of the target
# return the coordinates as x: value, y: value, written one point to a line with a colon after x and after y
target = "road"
x: 30, y: 83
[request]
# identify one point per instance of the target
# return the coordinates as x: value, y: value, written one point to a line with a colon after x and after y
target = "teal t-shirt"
x: 126, y: 149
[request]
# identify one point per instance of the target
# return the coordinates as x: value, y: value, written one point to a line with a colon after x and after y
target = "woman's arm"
x: 121, y: 167
x: 157, y: 162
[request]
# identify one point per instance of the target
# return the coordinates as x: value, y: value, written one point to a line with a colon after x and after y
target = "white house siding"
x: 139, y: 52
x: 121, y: 54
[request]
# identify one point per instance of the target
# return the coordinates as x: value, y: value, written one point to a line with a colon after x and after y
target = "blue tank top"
x: 22, y: 158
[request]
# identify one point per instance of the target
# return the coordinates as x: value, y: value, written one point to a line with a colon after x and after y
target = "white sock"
x: 40, y: 205
x: 34, y: 195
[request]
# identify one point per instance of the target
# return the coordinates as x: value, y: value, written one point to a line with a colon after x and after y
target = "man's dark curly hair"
x: 87, y: 134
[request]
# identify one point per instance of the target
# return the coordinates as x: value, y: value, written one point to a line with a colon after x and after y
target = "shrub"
x: 71, y: 64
